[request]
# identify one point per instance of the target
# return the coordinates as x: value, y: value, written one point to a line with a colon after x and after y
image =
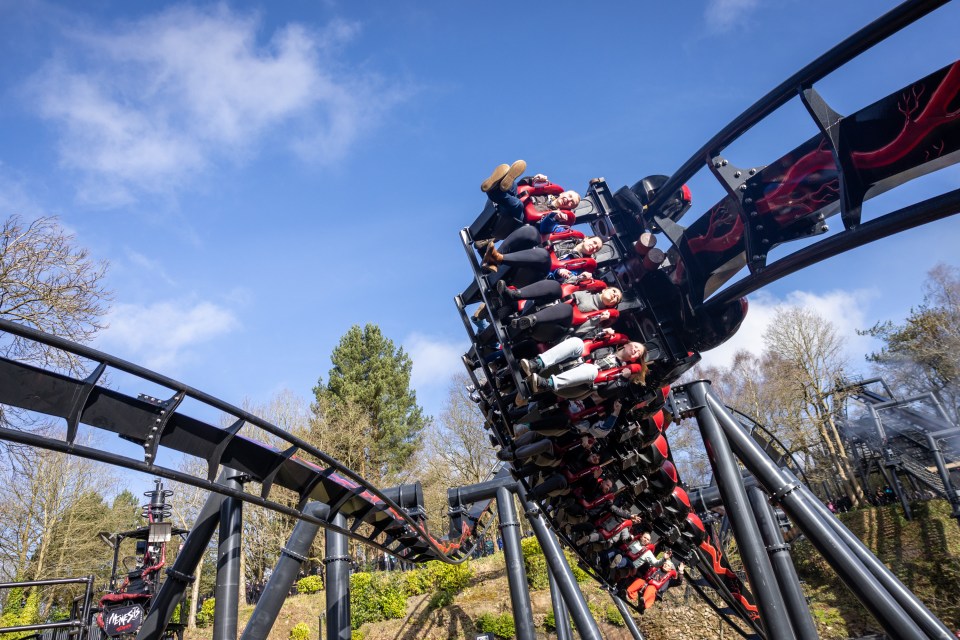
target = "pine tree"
x: 369, y: 380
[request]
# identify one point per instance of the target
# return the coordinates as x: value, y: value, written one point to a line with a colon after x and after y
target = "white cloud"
x: 434, y: 361
x: 143, y: 263
x: 845, y: 309
x: 722, y: 15
x: 14, y: 197
x: 152, y: 104
x: 162, y: 334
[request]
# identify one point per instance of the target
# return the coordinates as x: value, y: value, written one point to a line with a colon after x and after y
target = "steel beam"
x: 284, y: 574
x: 516, y: 576
x: 953, y: 497
x: 561, y: 616
x: 889, y: 605
x: 782, y: 563
x: 225, y: 615
x: 557, y: 562
x: 627, y: 618
x: 337, y: 582
x: 181, y: 573
x: 763, y: 581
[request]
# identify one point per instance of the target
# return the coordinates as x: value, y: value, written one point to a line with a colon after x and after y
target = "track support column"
x: 627, y: 618
x: 560, y: 614
x: 557, y: 562
x: 337, y: 582
x: 887, y: 604
x: 773, y: 611
x: 228, y: 562
x: 181, y: 573
x: 783, y: 567
x: 284, y: 574
x: 516, y: 576
x: 953, y: 496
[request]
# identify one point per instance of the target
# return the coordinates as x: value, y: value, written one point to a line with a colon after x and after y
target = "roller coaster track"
x: 901, y: 427
x: 374, y: 516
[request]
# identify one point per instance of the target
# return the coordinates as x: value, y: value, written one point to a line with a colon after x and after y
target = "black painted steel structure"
x: 337, y: 562
x: 516, y: 574
x: 292, y: 557
x: 78, y: 625
x: 911, y: 439
x: 228, y: 561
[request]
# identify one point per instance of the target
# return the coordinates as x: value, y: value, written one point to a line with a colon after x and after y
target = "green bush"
x: 536, y: 569
x: 357, y: 634
x: 300, y: 631
x: 445, y: 580
x: 59, y: 614
x: 363, y: 604
x: 375, y: 597
x: 417, y: 582
x: 579, y: 574
x: 450, y: 577
x: 205, y: 615
x: 442, y: 598
x: 530, y: 547
x: 310, y: 584
x: 391, y: 599
x: 550, y: 621
x: 501, y: 626
x: 613, y: 616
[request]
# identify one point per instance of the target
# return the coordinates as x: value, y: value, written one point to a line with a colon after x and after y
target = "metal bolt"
x: 748, y: 201
x: 724, y: 163
x: 752, y: 171
x: 743, y: 187
x: 756, y: 257
x: 824, y: 228
x: 754, y: 214
x: 736, y: 175
x: 759, y: 227
x: 765, y: 241
x: 716, y: 164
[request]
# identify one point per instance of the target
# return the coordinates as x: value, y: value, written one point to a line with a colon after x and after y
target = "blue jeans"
x: 508, y: 202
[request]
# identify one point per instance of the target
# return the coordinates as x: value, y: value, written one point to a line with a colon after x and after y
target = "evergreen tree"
x: 923, y: 353
x: 370, y: 375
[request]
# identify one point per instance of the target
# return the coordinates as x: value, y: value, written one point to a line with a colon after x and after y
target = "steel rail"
x: 875, y: 32
x: 188, y: 391
x: 930, y: 210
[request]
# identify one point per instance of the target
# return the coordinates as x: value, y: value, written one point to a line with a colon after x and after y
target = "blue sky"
x: 261, y: 176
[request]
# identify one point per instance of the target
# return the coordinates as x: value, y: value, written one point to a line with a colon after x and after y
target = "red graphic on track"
x: 916, y: 126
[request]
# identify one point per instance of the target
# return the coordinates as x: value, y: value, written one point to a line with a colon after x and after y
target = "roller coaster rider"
x: 530, y: 199
x: 606, y: 365
x: 589, y: 305
x: 657, y: 580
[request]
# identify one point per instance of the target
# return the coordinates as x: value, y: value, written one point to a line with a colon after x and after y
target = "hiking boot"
x: 491, y: 258
x: 496, y: 176
x: 481, y: 245
x: 537, y: 383
x: 506, y: 293
x: 531, y: 365
x: 514, y: 171
x: 523, y: 323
